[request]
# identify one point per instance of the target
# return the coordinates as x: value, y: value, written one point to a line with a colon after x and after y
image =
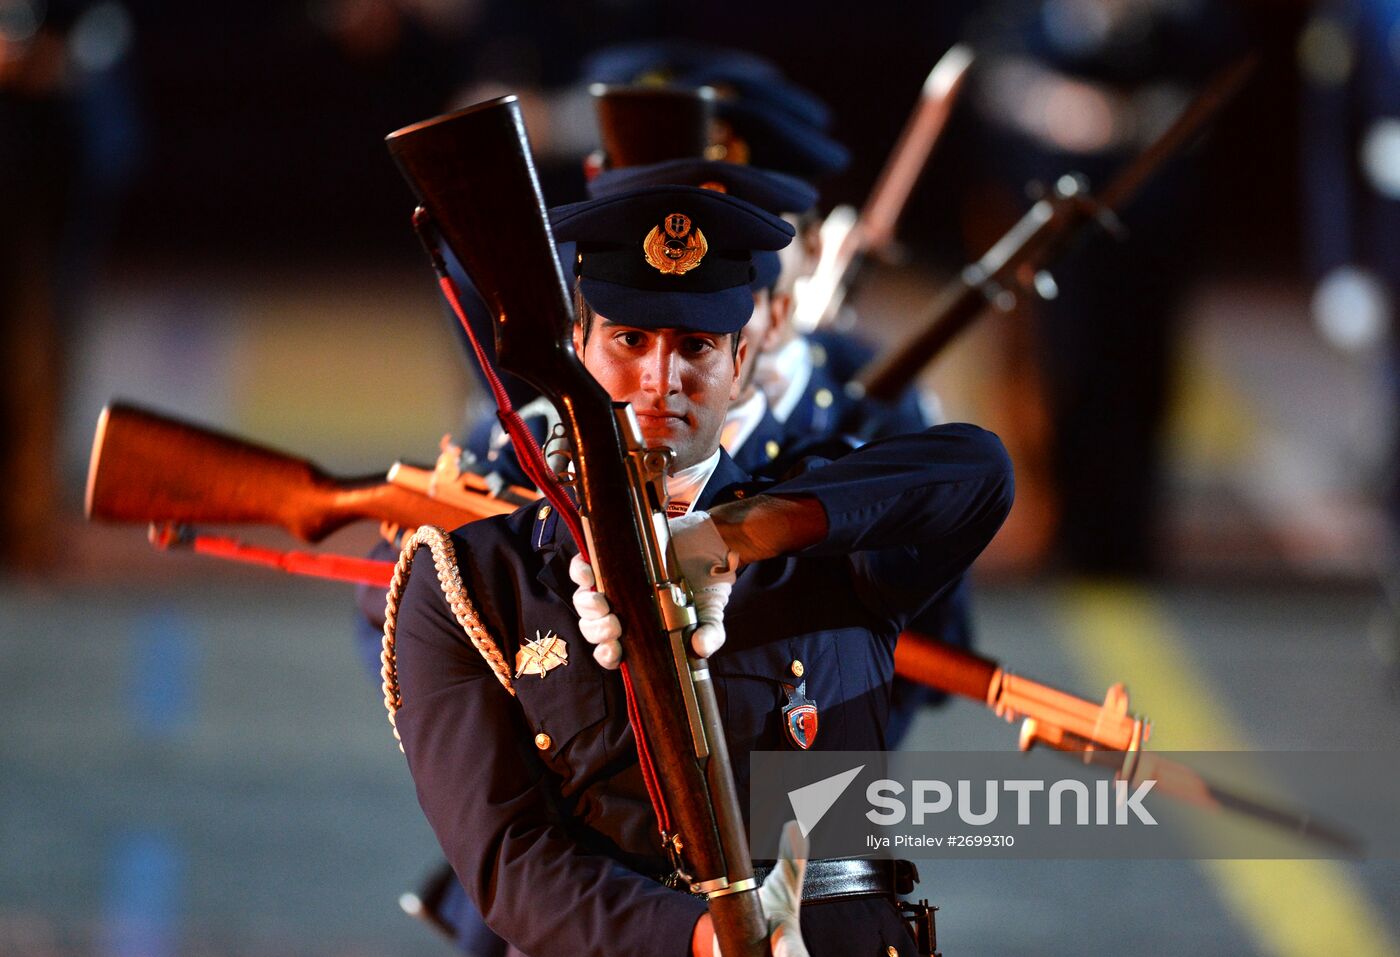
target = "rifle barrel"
x: 945, y: 667
x: 911, y: 152
x: 958, y: 305
x: 1222, y: 88
x: 1042, y: 232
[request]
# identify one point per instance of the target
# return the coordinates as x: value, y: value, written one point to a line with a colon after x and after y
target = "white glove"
x: 708, y: 565
x: 596, y: 622
x: 781, y: 896
x: 705, y: 561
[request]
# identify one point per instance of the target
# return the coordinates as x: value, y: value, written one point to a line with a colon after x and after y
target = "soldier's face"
x: 679, y: 382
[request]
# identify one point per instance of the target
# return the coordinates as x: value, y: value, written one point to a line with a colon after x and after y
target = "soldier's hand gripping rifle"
x: 1012, y: 267
x: 474, y: 177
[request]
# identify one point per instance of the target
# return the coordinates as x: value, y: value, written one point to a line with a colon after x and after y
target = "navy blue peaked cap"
x: 777, y: 141
x: 735, y: 74
x: 767, y: 267
x: 626, y: 62
x: 781, y: 95
x: 776, y: 192
x: 669, y: 256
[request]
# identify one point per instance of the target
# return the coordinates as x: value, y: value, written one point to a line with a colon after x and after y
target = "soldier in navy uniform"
x: 795, y: 401
x: 537, y: 799
x: 1081, y: 88
x: 808, y: 379
x: 751, y: 435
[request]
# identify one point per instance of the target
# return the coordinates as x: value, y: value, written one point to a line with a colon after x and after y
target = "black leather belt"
x: 832, y: 880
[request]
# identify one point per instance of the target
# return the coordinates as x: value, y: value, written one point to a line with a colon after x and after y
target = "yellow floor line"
x: 1289, y: 908
x: 1211, y: 424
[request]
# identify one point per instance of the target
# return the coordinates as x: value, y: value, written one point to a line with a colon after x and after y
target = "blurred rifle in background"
x: 846, y: 238
x: 1106, y: 735
x: 1049, y: 716
x: 1014, y: 266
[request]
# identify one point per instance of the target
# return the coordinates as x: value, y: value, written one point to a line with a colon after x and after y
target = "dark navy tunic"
x: 538, y: 800
x: 827, y: 420
x: 826, y: 408
x: 762, y: 447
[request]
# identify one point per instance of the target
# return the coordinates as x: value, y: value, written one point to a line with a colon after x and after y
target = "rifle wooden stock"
x: 1051, y: 717
x: 848, y: 238
x: 473, y: 173
x: 911, y: 151
x: 148, y: 467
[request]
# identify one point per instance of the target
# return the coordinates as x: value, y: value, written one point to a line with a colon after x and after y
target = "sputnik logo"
x: 811, y: 802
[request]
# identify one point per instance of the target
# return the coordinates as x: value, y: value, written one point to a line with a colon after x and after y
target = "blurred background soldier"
x: 1081, y: 86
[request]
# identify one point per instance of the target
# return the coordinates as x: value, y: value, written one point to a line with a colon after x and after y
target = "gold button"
x: 823, y: 398
x: 542, y: 741
x: 772, y: 448
x: 818, y: 355
x: 891, y: 952
x: 544, y: 513
x: 797, y: 668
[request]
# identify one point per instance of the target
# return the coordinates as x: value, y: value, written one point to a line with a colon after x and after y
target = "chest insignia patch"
x: 542, y: 655
x: 799, y: 717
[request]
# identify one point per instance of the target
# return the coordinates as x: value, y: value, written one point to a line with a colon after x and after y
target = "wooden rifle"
x: 1106, y: 735
x: 846, y: 238
x: 474, y: 177
x: 1048, y: 715
x: 152, y: 468
x: 1012, y: 266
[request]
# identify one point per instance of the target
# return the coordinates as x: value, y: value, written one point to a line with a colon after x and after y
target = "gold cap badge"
x: 678, y: 250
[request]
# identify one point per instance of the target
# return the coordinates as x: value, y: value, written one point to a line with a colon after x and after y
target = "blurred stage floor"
x: 206, y: 770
